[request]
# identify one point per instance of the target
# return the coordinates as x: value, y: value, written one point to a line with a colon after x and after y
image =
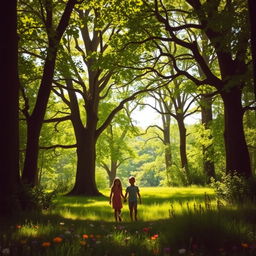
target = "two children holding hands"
x: 116, y: 195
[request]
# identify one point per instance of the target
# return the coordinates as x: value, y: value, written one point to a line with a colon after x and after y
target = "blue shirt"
x: 132, y: 191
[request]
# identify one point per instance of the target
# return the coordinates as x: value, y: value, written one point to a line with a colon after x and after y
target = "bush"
x: 234, y: 188
x: 36, y: 198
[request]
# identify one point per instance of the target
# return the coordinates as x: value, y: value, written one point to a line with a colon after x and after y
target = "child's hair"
x: 115, y: 179
x: 131, y: 178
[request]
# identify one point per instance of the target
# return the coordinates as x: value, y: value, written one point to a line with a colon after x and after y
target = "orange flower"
x: 245, y: 245
x: 46, y: 244
x: 18, y: 226
x: 85, y: 236
x: 57, y: 239
x: 91, y: 236
x: 154, y: 237
x: 83, y: 242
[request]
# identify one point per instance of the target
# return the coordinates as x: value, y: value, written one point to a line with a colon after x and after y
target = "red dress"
x: 117, y: 198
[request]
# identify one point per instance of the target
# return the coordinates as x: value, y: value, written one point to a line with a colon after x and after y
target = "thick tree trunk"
x: 237, y: 154
x: 9, y: 99
x: 208, y: 164
x: 183, y: 151
x: 85, y: 175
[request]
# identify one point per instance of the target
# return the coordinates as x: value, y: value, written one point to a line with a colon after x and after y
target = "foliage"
x: 234, y: 188
x: 36, y: 198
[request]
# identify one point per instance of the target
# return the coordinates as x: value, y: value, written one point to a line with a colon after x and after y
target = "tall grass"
x: 172, y: 221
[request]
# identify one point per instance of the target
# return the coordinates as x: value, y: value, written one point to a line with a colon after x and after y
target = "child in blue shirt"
x: 133, y: 192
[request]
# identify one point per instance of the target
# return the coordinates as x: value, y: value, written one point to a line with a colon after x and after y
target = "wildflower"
x: 6, y: 251
x: 182, y: 251
x: 85, y: 236
x: 154, y: 237
x: 57, y: 239
x: 245, y: 245
x: 62, y: 223
x: 46, y: 244
x: 83, y: 242
x: 91, y: 236
x: 146, y: 229
x: 91, y: 225
x: 18, y: 226
x: 35, y: 227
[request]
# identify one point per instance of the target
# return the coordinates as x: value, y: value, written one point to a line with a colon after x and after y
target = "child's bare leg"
x: 119, y: 215
x: 116, y: 214
x: 131, y: 212
x: 135, y: 213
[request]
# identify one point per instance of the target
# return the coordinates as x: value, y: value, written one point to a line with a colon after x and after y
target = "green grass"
x: 170, y: 219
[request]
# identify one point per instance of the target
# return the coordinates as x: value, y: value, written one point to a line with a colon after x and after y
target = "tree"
x: 9, y: 99
x: 218, y: 20
x: 95, y: 74
x: 35, y: 119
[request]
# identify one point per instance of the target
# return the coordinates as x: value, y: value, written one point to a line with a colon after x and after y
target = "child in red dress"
x: 115, y: 198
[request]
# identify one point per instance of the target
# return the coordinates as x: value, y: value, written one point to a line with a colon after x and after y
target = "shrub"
x: 36, y: 198
x: 234, y: 188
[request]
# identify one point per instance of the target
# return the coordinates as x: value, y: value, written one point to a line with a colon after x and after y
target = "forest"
x: 79, y: 75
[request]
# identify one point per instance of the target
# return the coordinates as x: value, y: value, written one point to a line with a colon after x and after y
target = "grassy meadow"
x: 171, y: 221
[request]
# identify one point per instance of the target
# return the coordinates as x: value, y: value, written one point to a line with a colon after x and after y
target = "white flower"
x: 6, y: 251
x: 182, y: 251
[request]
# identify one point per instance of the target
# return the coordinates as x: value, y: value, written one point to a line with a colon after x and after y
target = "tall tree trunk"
x: 113, y: 171
x: 183, y: 151
x: 237, y: 154
x: 9, y: 99
x: 206, y: 111
x: 167, y: 144
x: 35, y: 121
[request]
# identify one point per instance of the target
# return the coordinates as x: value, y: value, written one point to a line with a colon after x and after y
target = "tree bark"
x: 35, y: 121
x: 206, y: 111
x: 9, y: 99
x: 86, y: 139
x: 85, y: 173
x: 167, y: 144
x: 183, y: 151
x: 237, y: 154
